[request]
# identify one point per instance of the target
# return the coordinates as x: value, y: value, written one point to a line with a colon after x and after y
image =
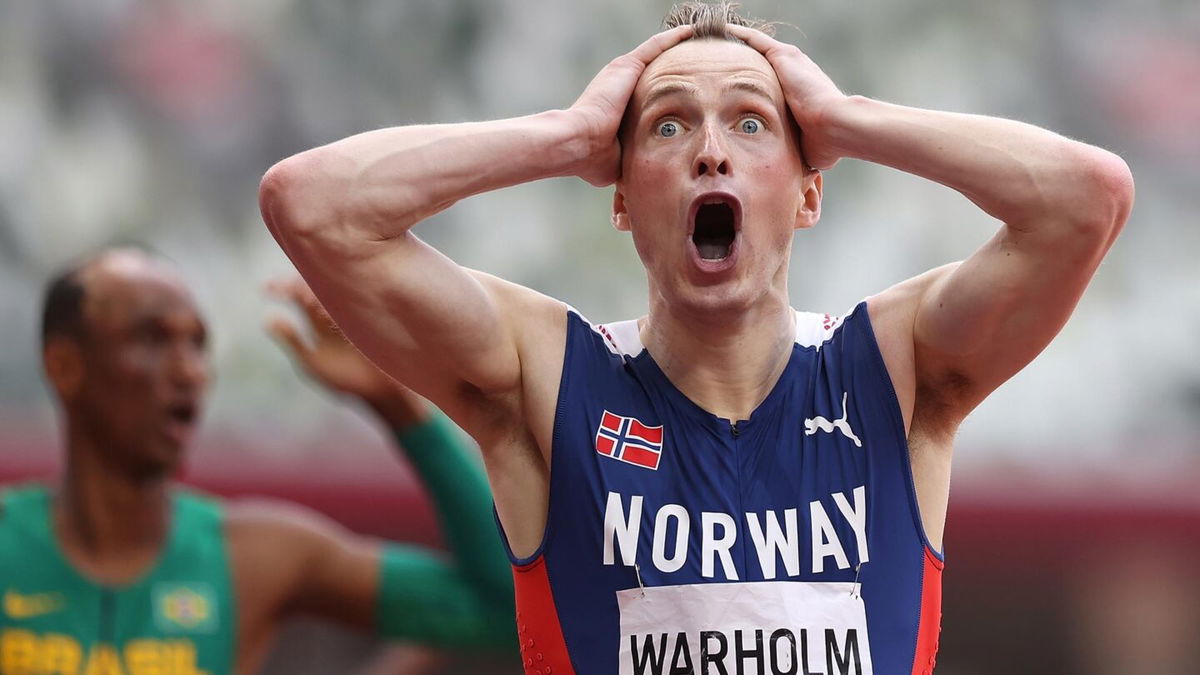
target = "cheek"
x: 653, y: 200
x: 654, y: 163
x: 648, y: 173
x: 653, y: 242
x: 129, y: 377
x: 778, y: 180
x: 136, y: 366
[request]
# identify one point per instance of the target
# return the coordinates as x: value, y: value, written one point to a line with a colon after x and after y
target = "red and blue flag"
x: 629, y: 440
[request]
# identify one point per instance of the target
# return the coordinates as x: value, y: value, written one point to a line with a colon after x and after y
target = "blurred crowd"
x: 152, y: 120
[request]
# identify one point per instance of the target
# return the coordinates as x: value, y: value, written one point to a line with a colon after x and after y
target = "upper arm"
x: 412, y: 310
x: 978, y: 322
x: 416, y: 314
x: 288, y: 559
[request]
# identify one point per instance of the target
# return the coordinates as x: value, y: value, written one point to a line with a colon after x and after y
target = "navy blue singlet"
x: 677, y: 542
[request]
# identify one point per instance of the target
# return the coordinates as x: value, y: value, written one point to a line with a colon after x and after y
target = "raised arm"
x: 343, y: 214
x: 1062, y: 203
x: 950, y: 336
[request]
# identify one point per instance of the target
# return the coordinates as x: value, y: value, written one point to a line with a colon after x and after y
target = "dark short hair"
x: 62, y: 306
x: 708, y: 20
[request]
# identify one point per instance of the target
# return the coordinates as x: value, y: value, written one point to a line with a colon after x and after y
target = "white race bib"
x: 750, y: 628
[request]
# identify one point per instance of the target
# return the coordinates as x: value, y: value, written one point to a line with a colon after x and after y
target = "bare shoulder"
x: 274, y: 544
x: 893, y: 315
x: 530, y: 314
x: 538, y: 321
x: 894, y: 310
x: 261, y: 516
x: 278, y: 535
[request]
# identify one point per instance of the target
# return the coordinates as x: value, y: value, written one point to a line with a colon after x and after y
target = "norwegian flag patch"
x: 630, y: 441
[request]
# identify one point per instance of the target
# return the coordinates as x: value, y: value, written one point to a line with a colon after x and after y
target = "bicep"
x: 417, y: 314
x: 980, y: 321
x: 410, y: 309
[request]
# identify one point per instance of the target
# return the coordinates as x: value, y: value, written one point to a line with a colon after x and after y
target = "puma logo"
x: 818, y: 423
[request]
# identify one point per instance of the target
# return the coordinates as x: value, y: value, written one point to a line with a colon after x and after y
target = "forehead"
x: 706, y: 64
x: 122, y: 290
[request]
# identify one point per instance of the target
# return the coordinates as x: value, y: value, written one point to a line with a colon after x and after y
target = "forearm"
x: 421, y: 599
x: 463, y: 502
x: 376, y: 185
x: 1025, y: 176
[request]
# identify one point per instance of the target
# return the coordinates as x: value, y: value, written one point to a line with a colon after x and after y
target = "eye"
x: 751, y: 126
x: 667, y: 129
x: 151, y: 334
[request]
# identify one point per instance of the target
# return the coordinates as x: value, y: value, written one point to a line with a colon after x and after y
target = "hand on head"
x: 601, y: 107
x: 811, y: 95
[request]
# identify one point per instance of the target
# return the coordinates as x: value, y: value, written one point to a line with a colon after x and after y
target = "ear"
x: 63, y: 362
x: 620, y: 217
x: 808, y: 211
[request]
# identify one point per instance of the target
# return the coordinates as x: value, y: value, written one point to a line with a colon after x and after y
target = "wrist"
x: 571, y: 142
x: 843, y: 126
x: 398, y: 407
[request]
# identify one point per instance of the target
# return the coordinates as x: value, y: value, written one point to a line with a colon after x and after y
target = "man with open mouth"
x: 725, y: 484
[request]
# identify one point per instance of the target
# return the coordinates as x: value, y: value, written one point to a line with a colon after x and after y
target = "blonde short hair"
x: 709, y: 19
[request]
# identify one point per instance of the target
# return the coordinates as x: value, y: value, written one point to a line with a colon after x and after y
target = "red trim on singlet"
x: 608, y: 336
x: 930, y: 627
x: 543, y: 648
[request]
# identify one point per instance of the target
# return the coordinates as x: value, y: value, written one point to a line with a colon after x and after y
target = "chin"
x: 717, y: 300
x: 163, y: 461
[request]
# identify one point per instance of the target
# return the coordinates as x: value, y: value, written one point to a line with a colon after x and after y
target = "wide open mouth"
x: 183, y: 413
x: 715, y: 227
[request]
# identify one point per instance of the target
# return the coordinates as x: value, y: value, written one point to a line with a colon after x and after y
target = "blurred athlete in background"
x: 799, y: 459
x: 114, y: 569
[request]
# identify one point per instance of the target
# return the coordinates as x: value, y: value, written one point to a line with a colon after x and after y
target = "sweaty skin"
x: 490, y: 352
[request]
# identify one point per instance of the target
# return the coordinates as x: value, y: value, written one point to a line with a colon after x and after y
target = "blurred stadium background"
x: 1073, y: 541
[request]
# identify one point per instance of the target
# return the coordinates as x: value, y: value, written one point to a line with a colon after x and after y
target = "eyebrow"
x: 751, y: 87
x: 665, y: 90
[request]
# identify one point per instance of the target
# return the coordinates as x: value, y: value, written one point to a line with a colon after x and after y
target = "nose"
x: 712, y: 159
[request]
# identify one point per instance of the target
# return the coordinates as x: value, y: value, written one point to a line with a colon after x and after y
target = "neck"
x: 105, y: 514
x: 726, y: 362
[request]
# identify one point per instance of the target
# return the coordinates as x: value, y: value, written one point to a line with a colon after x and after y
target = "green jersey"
x: 180, y: 618
x: 177, y: 619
